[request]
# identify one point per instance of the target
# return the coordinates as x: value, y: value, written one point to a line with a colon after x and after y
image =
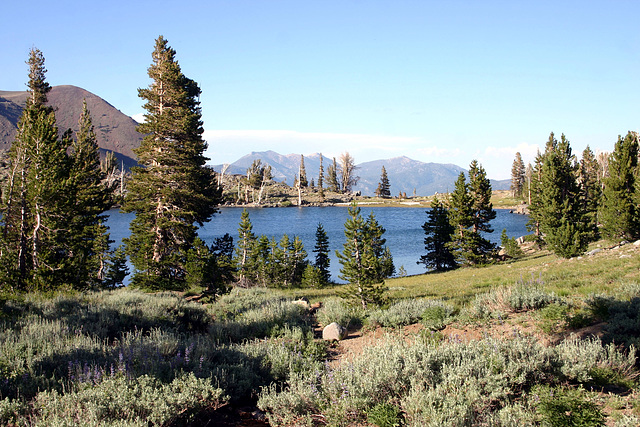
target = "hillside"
x: 404, y: 174
x: 115, y: 131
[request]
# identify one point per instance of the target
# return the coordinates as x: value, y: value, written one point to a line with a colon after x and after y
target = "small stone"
x: 636, y: 243
x: 334, y: 332
x: 593, y: 252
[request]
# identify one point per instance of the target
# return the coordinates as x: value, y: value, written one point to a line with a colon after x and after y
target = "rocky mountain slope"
x: 115, y: 131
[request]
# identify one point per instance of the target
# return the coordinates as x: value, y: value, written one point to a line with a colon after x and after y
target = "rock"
x: 636, y: 243
x: 593, y: 252
x: 334, y: 332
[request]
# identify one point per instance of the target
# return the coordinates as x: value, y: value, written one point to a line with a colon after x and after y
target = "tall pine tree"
x: 619, y: 212
x: 383, y: 189
x: 517, y: 176
x: 88, y: 233
x: 438, y: 232
x: 172, y: 190
x: 36, y: 198
x: 590, y: 191
x: 559, y: 210
x: 321, y: 249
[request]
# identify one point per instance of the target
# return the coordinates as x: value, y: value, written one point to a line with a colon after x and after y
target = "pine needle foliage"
x: 619, y: 212
x: 365, y: 261
x: 172, y: 190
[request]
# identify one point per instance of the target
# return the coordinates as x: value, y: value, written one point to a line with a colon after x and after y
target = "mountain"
x: 115, y: 131
x: 404, y: 174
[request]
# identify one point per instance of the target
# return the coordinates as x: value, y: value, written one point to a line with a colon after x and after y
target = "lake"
x: 405, y: 237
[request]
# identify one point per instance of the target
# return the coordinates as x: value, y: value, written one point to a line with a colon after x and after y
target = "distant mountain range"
x: 115, y: 131
x: 405, y: 175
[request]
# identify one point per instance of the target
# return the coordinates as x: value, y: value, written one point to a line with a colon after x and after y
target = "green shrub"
x: 446, y: 383
x: 409, y: 311
x: 137, y: 401
x: 339, y: 311
x: 385, y: 415
x: 564, y: 406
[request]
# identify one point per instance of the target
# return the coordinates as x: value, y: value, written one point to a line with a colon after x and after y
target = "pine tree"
x: 321, y: 179
x: 461, y: 217
x: 36, y: 198
x: 88, y: 235
x: 560, y: 211
x: 321, y: 249
x: 222, y: 249
x: 172, y: 190
x: 117, y: 269
x: 332, y: 177
x: 517, y: 176
x: 619, y: 212
x: 471, y: 212
x: 590, y: 191
x: 347, y: 170
x: 361, y: 268
x: 438, y: 232
x: 383, y: 189
x: 535, y: 189
x: 244, y: 248
x: 302, y: 173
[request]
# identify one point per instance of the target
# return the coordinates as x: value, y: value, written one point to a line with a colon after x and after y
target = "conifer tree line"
x: 573, y: 202
x: 52, y: 234
x: 455, y: 226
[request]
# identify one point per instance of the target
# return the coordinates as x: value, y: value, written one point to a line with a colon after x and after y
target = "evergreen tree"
x: 383, y: 260
x: 347, y: 169
x: 36, y: 198
x: 321, y: 249
x: 517, y: 176
x: 88, y: 236
x: 255, y: 174
x: 244, y: 248
x: 117, y: 269
x: 360, y: 266
x: 321, y: 179
x: 222, y: 249
x: 172, y: 190
x: 560, y: 211
x: 332, y: 177
x: 470, y: 213
x: 619, y: 212
x: 302, y: 173
x: 438, y: 232
x: 535, y: 189
x: 383, y: 189
x: 590, y: 192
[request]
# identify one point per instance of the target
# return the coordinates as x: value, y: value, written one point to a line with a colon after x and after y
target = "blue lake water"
x: 405, y: 237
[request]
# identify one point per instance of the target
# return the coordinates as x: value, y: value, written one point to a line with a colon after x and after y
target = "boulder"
x: 334, y: 332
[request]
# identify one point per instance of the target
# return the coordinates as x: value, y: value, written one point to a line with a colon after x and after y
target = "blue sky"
x: 437, y: 81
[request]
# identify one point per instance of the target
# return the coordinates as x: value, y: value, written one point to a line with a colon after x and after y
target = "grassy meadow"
x: 534, y: 341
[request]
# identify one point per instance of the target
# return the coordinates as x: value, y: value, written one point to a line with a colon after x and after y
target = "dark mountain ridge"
x: 115, y: 131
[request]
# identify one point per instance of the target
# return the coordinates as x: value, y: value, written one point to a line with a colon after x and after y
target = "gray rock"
x: 334, y: 332
x: 593, y: 252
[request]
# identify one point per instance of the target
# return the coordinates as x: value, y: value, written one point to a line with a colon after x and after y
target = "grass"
x: 111, y: 357
x: 579, y: 277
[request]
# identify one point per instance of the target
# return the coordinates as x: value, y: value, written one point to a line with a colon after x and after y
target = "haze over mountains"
x: 117, y: 132
x: 405, y: 175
